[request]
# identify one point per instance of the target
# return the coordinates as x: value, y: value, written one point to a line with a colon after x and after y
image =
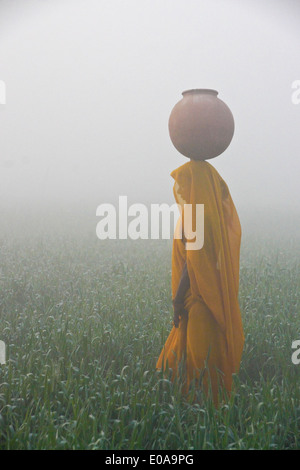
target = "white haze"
x: 90, y: 86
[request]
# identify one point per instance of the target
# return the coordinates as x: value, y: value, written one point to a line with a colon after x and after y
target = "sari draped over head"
x: 211, y: 336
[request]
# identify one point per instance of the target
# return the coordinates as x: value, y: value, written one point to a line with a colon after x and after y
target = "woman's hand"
x: 179, y: 312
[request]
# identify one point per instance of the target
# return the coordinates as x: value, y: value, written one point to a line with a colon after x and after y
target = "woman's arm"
x: 178, y: 301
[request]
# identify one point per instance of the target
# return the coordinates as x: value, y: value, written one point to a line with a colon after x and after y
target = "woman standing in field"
x: 207, y: 336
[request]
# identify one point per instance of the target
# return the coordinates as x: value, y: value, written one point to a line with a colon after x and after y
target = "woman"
x: 207, y: 335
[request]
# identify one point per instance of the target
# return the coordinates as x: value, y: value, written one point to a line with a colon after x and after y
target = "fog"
x: 90, y: 86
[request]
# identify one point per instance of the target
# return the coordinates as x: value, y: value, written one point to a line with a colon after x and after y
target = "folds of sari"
x: 209, y: 341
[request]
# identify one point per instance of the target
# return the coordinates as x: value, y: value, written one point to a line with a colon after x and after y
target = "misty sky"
x: 91, y: 84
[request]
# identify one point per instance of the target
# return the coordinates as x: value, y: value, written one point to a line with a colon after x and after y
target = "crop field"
x: 84, y: 321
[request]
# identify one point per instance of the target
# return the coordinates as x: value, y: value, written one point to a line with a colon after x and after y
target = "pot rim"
x: 200, y: 90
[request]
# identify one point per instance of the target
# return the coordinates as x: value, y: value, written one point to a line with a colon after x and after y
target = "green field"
x: 84, y: 322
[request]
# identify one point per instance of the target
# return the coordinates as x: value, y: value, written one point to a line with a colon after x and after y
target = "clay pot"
x: 201, y: 125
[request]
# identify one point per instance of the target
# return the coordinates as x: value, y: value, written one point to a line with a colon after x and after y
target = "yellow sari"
x: 210, y: 340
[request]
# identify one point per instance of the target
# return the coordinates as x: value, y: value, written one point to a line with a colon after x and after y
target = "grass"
x: 84, y: 322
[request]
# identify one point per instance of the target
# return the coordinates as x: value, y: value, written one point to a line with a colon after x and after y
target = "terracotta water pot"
x: 201, y: 125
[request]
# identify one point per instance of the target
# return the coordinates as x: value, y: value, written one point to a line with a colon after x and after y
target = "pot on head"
x: 201, y: 125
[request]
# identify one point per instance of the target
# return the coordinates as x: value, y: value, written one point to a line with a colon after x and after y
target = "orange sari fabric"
x: 209, y: 342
